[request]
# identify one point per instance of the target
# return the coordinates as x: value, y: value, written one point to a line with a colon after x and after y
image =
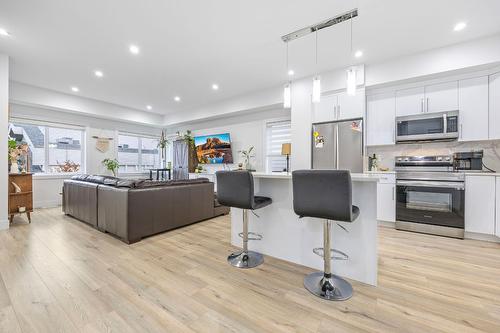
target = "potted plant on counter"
x: 247, y: 155
x: 111, y: 164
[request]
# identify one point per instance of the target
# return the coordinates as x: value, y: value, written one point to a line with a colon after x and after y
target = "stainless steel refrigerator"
x: 338, y: 145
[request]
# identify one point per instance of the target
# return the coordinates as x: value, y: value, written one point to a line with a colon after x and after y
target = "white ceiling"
x: 188, y: 45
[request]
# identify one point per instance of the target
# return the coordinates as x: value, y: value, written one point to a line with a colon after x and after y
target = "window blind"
x: 277, y: 133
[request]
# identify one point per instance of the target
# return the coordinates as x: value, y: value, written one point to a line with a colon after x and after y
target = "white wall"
x: 4, y: 120
x: 246, y: 130
x: 47, y: 188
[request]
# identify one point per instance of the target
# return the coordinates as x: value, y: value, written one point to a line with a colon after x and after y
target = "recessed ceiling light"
x: 291, y: 72
x: 75, y: 89
x: 215, y: 86
x: 4, y: 32
x: 358, y: 54
x: 134, y: 49
x: 460, y: 26
x: 99, y: 73
x: 177, y: 99
x: 149, y: 107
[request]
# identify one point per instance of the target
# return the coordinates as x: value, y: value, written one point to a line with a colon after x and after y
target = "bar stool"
x: 236, y: 189
x: 325, y: 194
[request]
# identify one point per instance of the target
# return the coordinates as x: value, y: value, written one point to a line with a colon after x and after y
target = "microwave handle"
x: 445, y: 126
x: 416, y: 183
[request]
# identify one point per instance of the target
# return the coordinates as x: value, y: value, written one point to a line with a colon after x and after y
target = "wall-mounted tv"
x: 213, y: 149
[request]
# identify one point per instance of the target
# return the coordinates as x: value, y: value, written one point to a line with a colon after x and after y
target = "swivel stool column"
x: 236, y: 189
x: 325, y: 194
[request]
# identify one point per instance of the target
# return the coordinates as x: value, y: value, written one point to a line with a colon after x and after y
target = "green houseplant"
x: 162, y: 145
x: 111, y: 164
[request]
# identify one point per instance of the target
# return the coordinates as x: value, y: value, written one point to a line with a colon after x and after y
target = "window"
x: 277, y: 133
x: 137, y: 154
x: 53, y: 149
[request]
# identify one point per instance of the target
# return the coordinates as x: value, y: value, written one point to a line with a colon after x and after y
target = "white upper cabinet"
x: 441, y: 97
x: 494, y: 106
x: 473, y: 106
x: 410, y: 101
x: 350, y: 107
x: 480, y: 204
x: 339, y: 106
x: 325, y: 110
x: 380, y: 119
x: 430, y: 98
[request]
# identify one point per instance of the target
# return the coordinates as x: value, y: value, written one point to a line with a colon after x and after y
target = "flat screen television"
x: 213, y: 149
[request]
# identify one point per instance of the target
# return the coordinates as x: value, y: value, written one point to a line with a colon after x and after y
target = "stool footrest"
x: 335, y: 254
x: 252, y: 236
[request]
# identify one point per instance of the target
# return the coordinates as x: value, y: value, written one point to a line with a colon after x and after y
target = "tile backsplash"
x: 386, y: 154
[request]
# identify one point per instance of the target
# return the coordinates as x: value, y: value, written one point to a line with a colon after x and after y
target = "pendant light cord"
x: 316, y: 34
x: 351, y: 34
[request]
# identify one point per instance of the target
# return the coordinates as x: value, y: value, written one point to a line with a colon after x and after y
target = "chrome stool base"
x: 333, y: 288
x: 247, y: 259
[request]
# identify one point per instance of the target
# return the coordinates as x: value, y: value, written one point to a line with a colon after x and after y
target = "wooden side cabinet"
x: 20, y: 201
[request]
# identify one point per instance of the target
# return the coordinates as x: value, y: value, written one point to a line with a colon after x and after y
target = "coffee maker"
x: 470, y: 161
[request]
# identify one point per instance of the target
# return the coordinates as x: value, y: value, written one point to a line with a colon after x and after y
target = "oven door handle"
x: 416, y: 183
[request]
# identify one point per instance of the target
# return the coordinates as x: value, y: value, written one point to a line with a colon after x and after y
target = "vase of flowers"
x: 162, y: 145
x: 246, y: 154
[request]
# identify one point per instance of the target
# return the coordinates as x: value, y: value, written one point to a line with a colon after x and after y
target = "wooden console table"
x: 23, y: 198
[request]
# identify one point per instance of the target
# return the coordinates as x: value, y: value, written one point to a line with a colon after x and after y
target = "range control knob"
x: 439, y: 158
x: 448, y: 158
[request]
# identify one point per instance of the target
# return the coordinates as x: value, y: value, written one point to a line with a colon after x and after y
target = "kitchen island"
x: 287, y: 237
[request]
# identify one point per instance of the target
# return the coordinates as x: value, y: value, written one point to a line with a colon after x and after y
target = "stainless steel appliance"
x: 470, y: 161
x: 338, y: 145
x: 436, y: 126
x: 430, y: 197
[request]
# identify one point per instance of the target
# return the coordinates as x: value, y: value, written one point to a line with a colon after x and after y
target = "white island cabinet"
x: 497, y: 225
x: 287, y: 237
x: 480, y: 204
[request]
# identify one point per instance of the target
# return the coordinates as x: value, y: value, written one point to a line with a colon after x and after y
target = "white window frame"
x: 139, y: 147
x: 47, y: 126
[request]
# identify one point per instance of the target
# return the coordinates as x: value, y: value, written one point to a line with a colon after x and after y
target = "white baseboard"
x: 4, y: 224
x: 388, y: 224
x: 481, y: 237
x: 47, y: 204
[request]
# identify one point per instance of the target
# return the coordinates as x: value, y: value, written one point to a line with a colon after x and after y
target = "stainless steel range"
x: 429, y: 195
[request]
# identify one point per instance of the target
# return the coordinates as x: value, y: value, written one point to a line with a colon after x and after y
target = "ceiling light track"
x: 321, y: 25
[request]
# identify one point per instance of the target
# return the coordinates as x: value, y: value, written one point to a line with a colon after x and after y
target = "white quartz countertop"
x: 482, y: 173
x: 356, y: 177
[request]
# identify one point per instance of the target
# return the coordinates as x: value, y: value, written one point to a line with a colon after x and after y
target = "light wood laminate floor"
x: 60, y: 275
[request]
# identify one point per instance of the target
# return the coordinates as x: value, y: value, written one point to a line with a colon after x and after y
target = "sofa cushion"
x: 81, y: 177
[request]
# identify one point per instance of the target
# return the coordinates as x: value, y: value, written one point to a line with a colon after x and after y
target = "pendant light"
x: 316, y: 91
x: 351, y: 74
x: 287, y: 91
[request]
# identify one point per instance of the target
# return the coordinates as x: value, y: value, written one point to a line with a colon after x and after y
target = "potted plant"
x: 247, y: 155
x: 162, y: 144
x: 111, y: 164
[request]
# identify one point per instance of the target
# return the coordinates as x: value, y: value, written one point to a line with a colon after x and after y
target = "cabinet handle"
x: 393, y: 190
x: 338, y: 112
x: 461, y: 131
x: 422, y: 105
x: 427, y: 106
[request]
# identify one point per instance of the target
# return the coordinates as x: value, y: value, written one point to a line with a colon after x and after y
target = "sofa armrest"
x: 113, y: 211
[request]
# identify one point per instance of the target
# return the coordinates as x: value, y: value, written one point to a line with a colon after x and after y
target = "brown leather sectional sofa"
x: 134, y: 209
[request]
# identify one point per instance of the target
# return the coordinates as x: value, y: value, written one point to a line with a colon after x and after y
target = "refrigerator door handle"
x: 337, y: 147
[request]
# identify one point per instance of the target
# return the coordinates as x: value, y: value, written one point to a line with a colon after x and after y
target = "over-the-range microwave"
x: 436, y: 126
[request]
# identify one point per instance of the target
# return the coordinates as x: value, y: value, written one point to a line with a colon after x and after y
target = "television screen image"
x: 212, y: 149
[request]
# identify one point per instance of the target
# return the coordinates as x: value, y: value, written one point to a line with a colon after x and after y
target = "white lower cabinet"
x: 497, y: 231
x: 386, y: 199
x: 480, y: 204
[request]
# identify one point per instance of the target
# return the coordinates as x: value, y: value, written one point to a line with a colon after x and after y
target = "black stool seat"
x: 261, y: 202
